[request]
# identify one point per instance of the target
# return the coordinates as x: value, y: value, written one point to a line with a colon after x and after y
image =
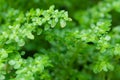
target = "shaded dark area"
x: 90, y: 43
x: 115, y: 18
x: 35, y: 46
x: 27, y: 54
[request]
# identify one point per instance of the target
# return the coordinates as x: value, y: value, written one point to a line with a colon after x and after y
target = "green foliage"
x: 36, y: 45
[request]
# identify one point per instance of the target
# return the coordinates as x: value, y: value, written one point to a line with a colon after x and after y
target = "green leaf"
x: 117, y: 49
x: 21, y: 42
x: 52, y: 23
x: 62, y: 23
x: 47, y: 27
x: 2, y: 77
x: 30, y: 35
x: 3, y: 53
x: 12, y: 62
x: 16, y: 66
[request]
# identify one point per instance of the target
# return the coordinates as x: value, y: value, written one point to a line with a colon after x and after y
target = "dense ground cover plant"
x: 38, y: 41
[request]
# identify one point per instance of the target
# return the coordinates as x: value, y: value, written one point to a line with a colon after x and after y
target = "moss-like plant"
x: 36, y: 45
